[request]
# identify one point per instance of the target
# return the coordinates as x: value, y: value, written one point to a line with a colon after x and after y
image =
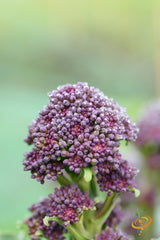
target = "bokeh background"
x: 112, y: 45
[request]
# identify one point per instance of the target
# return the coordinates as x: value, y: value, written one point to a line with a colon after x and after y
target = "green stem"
x: 93, y: 186
x: 79, y: 179
x: 63, y: 180
x: 75, y: 233
x: 90, y: 224
x: 108, y: 205
x: 83, y: 185
x: 95, y: 222
x: 80, y: 226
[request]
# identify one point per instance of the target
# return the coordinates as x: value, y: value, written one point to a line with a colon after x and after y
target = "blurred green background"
x: 112, y: 45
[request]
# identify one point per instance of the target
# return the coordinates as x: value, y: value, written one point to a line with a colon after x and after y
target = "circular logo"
x: 141, y: 223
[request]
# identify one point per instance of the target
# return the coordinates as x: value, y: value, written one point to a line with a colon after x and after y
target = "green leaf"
x: 55, y: 219
x: 136, y: 191
x: 39, y: 233
x: 46, y: 220
x: 87, y: 174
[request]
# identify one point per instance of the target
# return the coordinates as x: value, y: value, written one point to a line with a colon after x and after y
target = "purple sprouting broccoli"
x: 115, y: 175
x: 110, y: 234
x: 68, y: 202
x: 148, y: 140
x: 149, y: 127
x: 36, y: 227
x: 76, y: 141
x: 80, y: 128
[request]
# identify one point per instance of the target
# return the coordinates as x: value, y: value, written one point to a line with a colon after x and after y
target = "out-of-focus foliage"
x: 106, y: 43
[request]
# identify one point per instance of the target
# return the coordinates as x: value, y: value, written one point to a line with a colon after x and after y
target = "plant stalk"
x: 75, y: 233
x: 108, y: 205
x: 62, y: 180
